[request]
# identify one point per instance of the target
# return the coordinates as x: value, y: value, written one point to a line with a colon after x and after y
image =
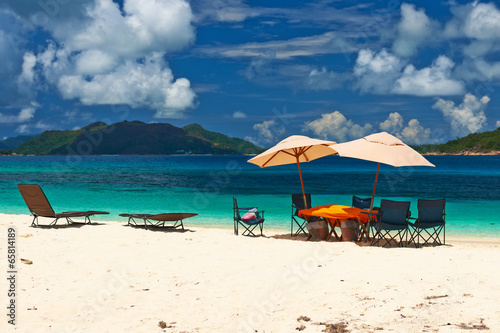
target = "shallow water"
x: 206, y: 184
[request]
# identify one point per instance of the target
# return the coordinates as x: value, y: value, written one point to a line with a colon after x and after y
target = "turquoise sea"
x: 206, y: 184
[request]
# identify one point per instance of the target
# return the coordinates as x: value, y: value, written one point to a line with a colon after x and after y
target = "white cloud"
x: 335, y: 126
x: 24, y: 115
x: 27, y: 76
x: 259, y: 64
x: 324, y: 79
x: 22, y: 129
x: 115, y: 57
x: 147, y: 26
x: 412, y: 133
x: 225, y: 10
x: 498, y: 123
x: 239, y: 115
x: 91, y: 62
x: 466, y: 118
x: 415, y: 133
x: 28, y: 128
x: 478, y: 22
x: 414, y: 29
x: 479, y: 69
x: 430, y: 81
x: 393, y: 123
x: 483, y: 22
x: 268, y: 131
x: 134, y: 84
x: 376, y: 72
x: 326, y: 43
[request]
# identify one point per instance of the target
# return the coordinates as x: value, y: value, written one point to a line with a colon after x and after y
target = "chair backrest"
x: 298, y: 202
x: 431, y: 210
x: 236, y: 212
x: 36, y: 200
x: 361, y: 203
x: 394, y: 212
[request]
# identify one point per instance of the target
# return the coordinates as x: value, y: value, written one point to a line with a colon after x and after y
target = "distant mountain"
x: 135, y: 138
x: 13, y: 143
x: 485, y: 143
x: 222, y: 142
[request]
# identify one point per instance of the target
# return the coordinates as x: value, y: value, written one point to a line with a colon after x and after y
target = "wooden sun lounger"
x: 159, y: 220
x: 39, y: 206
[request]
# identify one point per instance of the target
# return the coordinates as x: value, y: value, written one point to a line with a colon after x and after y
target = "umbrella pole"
x: 374, y: 188
x: 302, y: 184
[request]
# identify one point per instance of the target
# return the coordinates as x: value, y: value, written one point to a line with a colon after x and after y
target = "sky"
x: 424, y: 71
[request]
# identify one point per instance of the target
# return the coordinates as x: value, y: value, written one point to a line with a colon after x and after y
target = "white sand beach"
x: 109, y: 277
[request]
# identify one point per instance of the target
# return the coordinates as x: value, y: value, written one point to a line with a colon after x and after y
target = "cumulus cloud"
x: 414, y: 29
x: 239, y: 115
x: 268, y: 132
x: 393, y: 123
x: 483, y: 22
x: 479, y: 22
x: 466, y: 118
x: 430, y: 81
x: 117, y: 56
x: 26, y: 114
x: 135, y: 84
x: 376, y: 72
x: 412, y: 133
x: 478, y: 69
x: 335, y: 126
x: 498, y: 123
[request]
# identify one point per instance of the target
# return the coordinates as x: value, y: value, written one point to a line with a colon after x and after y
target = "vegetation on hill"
x: 479, y: 143
x: 135, y: 138
x: 13, y: 143
x: 221, y: 142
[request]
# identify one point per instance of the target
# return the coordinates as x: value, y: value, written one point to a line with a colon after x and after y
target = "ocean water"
x: 206, y: 185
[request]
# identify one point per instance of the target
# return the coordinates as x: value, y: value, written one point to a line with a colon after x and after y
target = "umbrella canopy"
x: 381, y: 148
x: 294, y: 149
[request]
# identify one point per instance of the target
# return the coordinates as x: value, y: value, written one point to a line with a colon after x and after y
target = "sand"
x: 112, y: 278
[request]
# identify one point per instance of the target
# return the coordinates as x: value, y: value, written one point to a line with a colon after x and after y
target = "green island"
x: 131, y: 138
x: 485, y: 143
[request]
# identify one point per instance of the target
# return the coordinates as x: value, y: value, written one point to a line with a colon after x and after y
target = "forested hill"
x: 135, y: 138
x: 485, y: 143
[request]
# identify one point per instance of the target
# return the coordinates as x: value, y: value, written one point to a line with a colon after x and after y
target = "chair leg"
x: 387, y: 237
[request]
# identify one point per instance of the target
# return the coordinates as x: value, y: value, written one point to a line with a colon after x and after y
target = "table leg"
x: 363, y: 230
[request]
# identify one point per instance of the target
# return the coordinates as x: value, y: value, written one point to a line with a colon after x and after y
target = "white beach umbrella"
x: 381, y: 148
x: 294, y: 149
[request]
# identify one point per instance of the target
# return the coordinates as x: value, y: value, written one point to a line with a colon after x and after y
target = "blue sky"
x: 425, y: 71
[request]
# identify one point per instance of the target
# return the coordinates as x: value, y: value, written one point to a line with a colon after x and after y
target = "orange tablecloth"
x: 336, y: 213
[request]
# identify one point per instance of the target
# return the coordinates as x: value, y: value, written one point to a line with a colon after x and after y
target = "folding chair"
x: 298, y: 204
x: 250, y: 225
x: 365, y: 204
x: 393, y: 223
x: 361, y: 203
x: 430, y: 222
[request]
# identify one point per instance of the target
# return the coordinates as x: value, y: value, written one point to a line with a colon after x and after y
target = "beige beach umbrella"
x: 294, y: 149
x: 381, y: 148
